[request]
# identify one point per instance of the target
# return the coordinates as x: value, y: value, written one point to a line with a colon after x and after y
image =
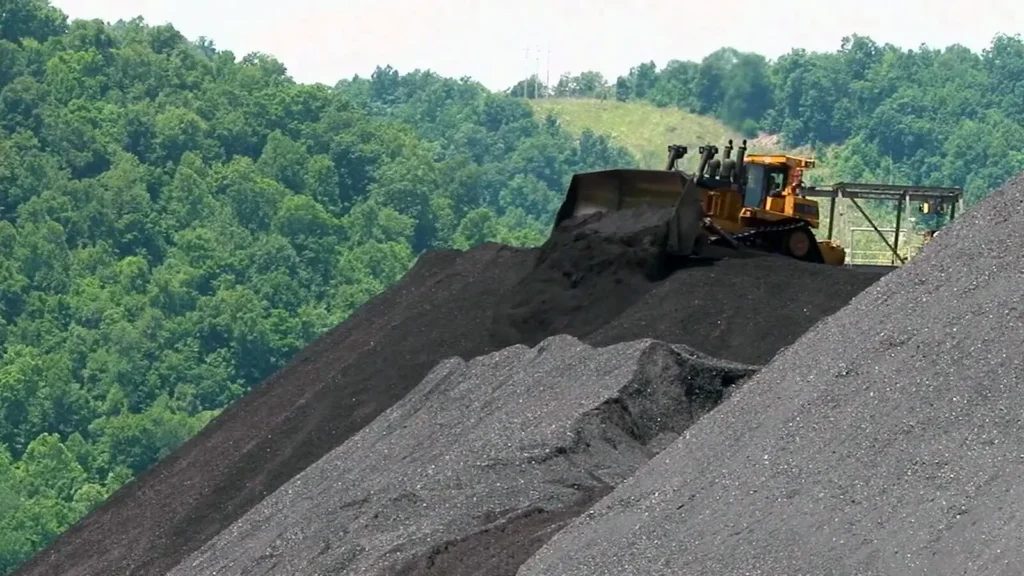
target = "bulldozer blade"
x: 624, y: 189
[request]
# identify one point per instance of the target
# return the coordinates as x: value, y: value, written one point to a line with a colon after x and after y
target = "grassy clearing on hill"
x: 640, y: 127
x: 646, y: 130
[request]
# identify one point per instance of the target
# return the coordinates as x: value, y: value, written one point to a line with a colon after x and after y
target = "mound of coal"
x: 599, y: 279
x: 478, y: 466
x: 450, y: 304
x: 590, y: 271
x: 885, y: 441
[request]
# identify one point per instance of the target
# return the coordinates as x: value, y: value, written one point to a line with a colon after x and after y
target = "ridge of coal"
x: 514, y: 443
x: 887, y: 440
x: 451, y: 303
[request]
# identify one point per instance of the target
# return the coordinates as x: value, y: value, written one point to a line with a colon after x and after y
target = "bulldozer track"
x: 753, y: 238
x: 763, y: 230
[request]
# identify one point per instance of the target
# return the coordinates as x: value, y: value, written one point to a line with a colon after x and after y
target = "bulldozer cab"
x: 763, y: 180
x: 772, y: 187
x: 775, y: 175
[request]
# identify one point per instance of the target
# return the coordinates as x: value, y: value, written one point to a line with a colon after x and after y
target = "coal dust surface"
x: 889, y: 440
x: 482, y: 462
x: 599, y: 279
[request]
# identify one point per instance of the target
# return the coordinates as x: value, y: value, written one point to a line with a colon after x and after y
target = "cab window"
x: 754, y: 191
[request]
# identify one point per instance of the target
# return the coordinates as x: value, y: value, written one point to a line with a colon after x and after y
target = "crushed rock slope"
x: 888, y: 440
x: 479, y: 465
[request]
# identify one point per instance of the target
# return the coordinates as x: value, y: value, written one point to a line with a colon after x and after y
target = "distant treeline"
x: 928, y: 116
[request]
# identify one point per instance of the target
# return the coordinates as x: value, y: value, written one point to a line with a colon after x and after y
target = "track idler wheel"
x: 799, y: 243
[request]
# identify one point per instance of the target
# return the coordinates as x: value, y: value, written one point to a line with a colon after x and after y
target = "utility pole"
x: 536, y: 76
x: 526, y: 80
x: 547, y: 71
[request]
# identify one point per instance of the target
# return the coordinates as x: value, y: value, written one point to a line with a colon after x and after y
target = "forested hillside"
x: 931, y: 116
x: 176, y: 224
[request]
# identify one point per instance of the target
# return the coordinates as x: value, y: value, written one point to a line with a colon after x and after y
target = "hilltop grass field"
x: 646, y: 131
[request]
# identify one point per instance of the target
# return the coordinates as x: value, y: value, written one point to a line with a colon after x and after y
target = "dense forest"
x: 931, y: 116
x: 176, y: 222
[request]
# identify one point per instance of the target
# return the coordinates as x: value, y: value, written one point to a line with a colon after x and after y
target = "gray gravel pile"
x: 887, y: 440
x: 479, y: 465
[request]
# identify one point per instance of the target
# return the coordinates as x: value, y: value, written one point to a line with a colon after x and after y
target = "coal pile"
x: 515, y: 443
x: 585, y: 276
x: 887, y: 440
x: 451, y: 304
x: 602, y: 280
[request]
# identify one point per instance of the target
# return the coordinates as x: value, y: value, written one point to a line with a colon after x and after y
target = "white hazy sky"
x: 325, y: 40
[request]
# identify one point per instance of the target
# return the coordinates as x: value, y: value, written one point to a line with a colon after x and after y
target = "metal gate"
x: 876, y: 255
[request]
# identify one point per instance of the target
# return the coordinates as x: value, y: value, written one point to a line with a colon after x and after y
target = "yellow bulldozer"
x: 756, y: 201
